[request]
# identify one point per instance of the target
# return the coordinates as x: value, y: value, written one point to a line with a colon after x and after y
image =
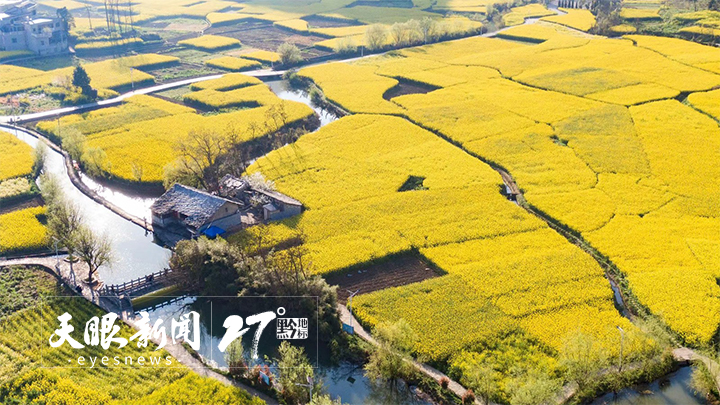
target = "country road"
x: 259, y: 73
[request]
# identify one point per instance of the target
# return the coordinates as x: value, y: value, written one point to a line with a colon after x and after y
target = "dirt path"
x: 454, y: 386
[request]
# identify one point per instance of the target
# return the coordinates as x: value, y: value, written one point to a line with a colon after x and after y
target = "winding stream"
x: 136, y: 255
x: 134, y: 252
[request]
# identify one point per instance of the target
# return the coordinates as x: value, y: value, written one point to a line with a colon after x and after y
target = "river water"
x: 346, y: 381
x: 672, y: 389
x: 134, y: 252
x: 137, y: 255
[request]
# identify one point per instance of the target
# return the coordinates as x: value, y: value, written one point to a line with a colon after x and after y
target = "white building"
x: 22, y: 29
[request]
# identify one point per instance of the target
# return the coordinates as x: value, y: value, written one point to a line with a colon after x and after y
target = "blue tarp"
x: 213, y: 231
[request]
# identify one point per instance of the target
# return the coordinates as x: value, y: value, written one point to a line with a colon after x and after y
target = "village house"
x: 22, y: 29
x: 189, y: 212
x: 274, y: 205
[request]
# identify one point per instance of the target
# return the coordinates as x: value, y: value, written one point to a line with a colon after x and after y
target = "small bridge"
x: 141, y: 286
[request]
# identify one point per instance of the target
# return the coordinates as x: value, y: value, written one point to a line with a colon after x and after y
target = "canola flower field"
x: 17, y: 157
x: 30, y: 373
x: 107, y: 74
x: 139, y: 136
x: 22, y: 230
x: 587, y: 126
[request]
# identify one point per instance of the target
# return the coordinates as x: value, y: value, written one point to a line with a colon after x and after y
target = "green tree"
x: 64, y: 224
x: 209, y: 266
x: 390, y: 359
x: 81, y: 79
x: 64, y: 217
x: 289, y: 54
x: 39, y: 159
x: 216, y: 267
x: 483, y: 380
x: 73, y: 142
x: 235, y: 358
x: 582, y: 357
x: 296, y: 374
x: 50, y: 189
x: 534, y: 389
x: 95, y: 162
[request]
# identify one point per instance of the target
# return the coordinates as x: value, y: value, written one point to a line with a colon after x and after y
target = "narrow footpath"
x: 437, y: 375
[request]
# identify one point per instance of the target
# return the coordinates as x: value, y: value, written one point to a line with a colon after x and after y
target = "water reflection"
x: 135, y: 205
x: 346, y: 381
x: 673, y: 389
x: 134, y: 251
x: 282, y: 89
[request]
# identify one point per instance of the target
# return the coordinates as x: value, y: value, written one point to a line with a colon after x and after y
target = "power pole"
x: 352, y: 294
x: 622, y: 342
x: 87, y: 8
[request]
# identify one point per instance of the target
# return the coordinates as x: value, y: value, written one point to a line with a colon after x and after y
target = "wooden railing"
x: 141, y: 285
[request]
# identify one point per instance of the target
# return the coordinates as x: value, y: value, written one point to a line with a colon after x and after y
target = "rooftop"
x: 280, y: 197
x: 40, y: 21
x: 197, y: 205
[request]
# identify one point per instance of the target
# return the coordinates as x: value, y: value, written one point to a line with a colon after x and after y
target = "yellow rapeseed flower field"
x: 17, y: 157
x: 210, y: 43
x: 250, y: 96
x: 517, y: 15
x: 227, y: 82
x: 22, y: 231
x: 505, y: 268
x: 138, y: 137
x: 580, y: 19
x: 591, y: 131
x: 363, y: 94
x: 262, y: 56
x: 232, y: 63
x: 707, y: 102
x: 107, y: 74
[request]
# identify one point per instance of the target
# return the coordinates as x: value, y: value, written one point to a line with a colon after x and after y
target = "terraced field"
x: 587, y: 126
x: 139, y: 136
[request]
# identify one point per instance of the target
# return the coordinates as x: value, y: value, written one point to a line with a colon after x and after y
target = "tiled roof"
x: 197, y: 205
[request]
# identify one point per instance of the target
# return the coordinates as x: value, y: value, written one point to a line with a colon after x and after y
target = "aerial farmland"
x: 360, y: 202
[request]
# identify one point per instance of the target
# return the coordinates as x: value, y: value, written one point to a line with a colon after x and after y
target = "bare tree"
x: 275, y: 118
x: 427, y: 28
x: 199, y: 153
x: 375, y: 36
x: 414, y: 32
x: 94, y: 250
x: 399, y: 34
